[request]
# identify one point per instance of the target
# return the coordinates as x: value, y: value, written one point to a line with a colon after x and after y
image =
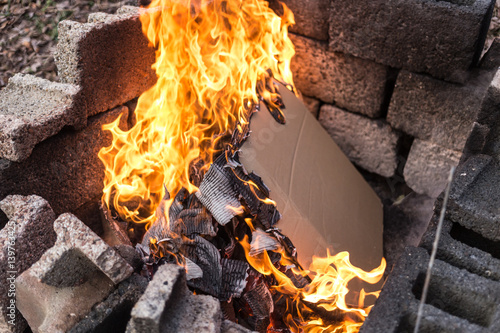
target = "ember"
x: 174, y: 184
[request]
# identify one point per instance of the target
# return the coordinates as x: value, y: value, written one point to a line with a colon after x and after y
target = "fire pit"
x: 219, y: 186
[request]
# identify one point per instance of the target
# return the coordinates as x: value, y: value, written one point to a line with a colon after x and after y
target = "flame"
x: 213, y: 59
x: 329, y: 278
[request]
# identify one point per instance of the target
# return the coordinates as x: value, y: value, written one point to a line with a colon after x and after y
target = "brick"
x: 64, y: 169
x: 33, y: 109
x: 351, y: 83
x: 371, y: 144
x: 73, y: 275
x: 458, y: 301
x: 168, y: 306
x: 437, y: 111
x: 428, y: 166
x: 108, y: 57
x: 30, y: 226
x: 311, y: 16
x: 442, y: 38
x: 474, y: 196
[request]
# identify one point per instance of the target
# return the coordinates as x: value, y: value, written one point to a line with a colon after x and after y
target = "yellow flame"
x: 327, y: 289
x: 212, y: 59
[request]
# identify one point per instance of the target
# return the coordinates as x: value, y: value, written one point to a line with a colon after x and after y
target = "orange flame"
x: 327, y: 289
x: 213, y: 57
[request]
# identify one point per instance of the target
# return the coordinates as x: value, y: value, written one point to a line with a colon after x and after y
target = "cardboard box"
x: 323, y: 199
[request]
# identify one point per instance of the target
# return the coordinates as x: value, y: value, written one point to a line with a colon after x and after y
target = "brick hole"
x: 460, y: 2
x: 473, y: 239
x: 407, y: 325
x: 447, y: 295
x: 117, y: 320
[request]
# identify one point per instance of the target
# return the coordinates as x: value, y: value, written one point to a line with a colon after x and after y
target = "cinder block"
x: 489, y: 117
x: 458, y: 301
x: 311, y: 16
x: 64, y: 169
x: 112, y: 314
x: 474, y: 196
x: 73, y: 275
x: 108, y: 57
x: 491, y: 59
x: 442, y: 38
x: 428, y: 166
x: 24, y: 239
x: 464, y: 249
x: 351, y: 83
x: 168, y: 306
x: 435, y: 110
x: 371, y: 144
x: 33, y: 109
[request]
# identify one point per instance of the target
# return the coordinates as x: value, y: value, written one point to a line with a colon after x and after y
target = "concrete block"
x: 458, y: 301
x: 33, y: 109
x: 437, y: 111
x: 311, y: 16
x: 351, y: 83
x: 428, y: 166
x: 113, y: 314
x: 168, y: 306
x: 491, y: 59
x: 475, y: 195
x: 27, y: 235
x: 464, y: 249
x: 442, y: 38
x: 64, y: 169
x: 108, y: 57
x: 371, y: 144
x: 489, y: 117
x: 73, y: 275
x: 231, y: 327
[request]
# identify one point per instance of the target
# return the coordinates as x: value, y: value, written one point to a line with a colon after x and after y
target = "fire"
x: 327, y: 287
x: 213, y: 59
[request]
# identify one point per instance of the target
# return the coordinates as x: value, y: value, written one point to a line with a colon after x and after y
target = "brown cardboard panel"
x: 323, y: 199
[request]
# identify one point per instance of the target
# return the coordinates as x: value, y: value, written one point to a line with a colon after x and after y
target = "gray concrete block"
x: 108, y: 57
x: 70, y: 277
x: 24, y: 239
x: 474, y: 196
x: 64, y: 169
x: 435, y: 110
x: 491, y: 58
x: 351, y: 83
x: 428, y: 166
x: 371, y: 144
x: 442, y: 38
x: 476, y: 255
x: 311, y: 16
x: 168, y: 306
x: 489, y: 117
x: 33, y: 109
x: 113, y: 314
x: 458, y: 301
x: 231, y: 327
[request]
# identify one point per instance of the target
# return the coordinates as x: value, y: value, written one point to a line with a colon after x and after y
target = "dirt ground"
x: 29, y: 32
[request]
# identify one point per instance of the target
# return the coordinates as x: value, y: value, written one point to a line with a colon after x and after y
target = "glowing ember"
x: 214, y: 60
